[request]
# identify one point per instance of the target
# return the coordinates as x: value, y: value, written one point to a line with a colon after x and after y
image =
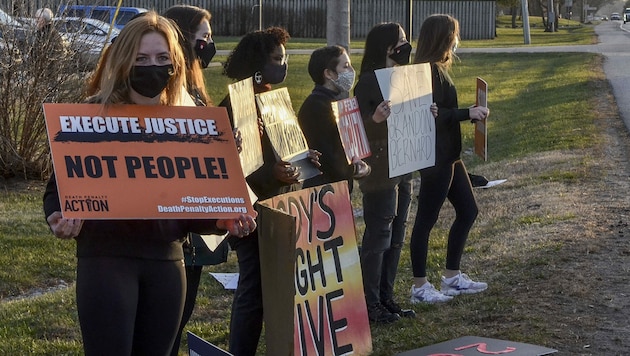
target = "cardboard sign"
x: 200, y: 347
x: 410, y: 126
x: 350, y: 124
x: 481, y: 130
x: 283, y: 129
x: 245, y: 119
x: 329, y: 312
x: 276, y: 242
x: 479, y: 346
x: 145, y: 162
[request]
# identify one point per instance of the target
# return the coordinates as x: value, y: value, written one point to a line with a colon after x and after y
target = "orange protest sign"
x: 351, y: 130
x: 320, y: 271
x: 145, y: 162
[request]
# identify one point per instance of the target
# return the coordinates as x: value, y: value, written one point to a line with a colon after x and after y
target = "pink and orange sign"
x: 350, y: 125
x: 145, y: 162
x: 330, y: 314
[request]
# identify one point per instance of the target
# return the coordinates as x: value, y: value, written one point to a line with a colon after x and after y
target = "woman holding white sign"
x: 386, y: 200
x: 261, y: 55
x: 130, y: 276
x: 439, y: 36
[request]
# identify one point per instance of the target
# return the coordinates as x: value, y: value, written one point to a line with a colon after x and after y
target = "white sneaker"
x: 427, y: 294
x: 461, y: 284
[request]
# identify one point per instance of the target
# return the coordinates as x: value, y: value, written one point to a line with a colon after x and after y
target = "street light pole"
x: 525, y: 13
x: 409, y: 19
x: 260, y: 26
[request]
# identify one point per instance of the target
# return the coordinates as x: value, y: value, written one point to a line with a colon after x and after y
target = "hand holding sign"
x: 64, y: 228
x: 407, y: 91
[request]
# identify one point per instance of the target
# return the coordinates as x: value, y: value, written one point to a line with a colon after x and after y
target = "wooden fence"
x: 305, y: 18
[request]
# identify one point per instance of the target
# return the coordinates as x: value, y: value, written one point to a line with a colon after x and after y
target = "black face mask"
x: 205, y: 51
x: 401, y: 54
x: 273, y: 73
x: 149, y: 81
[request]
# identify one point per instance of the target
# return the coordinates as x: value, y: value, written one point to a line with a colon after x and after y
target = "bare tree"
x: 35, y: 68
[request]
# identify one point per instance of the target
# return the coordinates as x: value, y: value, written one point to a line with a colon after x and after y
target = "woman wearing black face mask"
x: 386, y: 200
x: 130, y: 284
x: 261, y: 55
x: 198, y: 46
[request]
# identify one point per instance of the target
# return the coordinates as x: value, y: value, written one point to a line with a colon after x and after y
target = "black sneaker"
x: 377, y: 313
x: 393, y: 307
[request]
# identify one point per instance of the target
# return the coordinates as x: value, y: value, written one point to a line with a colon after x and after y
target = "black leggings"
x: 436, y: 185
x: 129, y: 306
x: 193, y: 277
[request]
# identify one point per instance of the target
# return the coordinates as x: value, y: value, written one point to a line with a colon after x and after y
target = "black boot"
x: 393, y: 307
x: 377, y: 313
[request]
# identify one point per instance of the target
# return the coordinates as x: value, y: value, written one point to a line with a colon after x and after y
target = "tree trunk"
x: 338, y: 23
x: 513, y: 10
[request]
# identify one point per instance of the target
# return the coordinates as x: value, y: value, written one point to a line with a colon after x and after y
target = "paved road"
x: 614, y: 44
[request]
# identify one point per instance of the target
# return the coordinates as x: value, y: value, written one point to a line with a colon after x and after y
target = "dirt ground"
x: 598, y: 258
x: 584, y: 294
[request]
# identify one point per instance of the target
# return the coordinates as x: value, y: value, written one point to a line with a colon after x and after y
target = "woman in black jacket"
x: 386, y: 200
x: 261, y: 55
x: 130, y: 273
x: 439, y: 36
x: 333, y: 75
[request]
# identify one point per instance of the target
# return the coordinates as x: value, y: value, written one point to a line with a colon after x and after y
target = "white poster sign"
x: 410, y: 126
x: 246, y: 120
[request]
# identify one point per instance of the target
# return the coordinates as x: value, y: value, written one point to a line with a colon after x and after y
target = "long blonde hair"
x: 114, y: 69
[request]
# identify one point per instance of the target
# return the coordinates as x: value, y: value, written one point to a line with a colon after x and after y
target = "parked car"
x: 6, y: 19
x: 12, y: 32
x: 86, y: 37
x: 103, y: 13
x: 626, y: 15
x: 615, y: 16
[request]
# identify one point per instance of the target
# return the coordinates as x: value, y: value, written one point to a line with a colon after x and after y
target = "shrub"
x: 35, y: 68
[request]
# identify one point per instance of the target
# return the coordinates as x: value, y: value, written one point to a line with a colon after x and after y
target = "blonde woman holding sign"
x: 130, y: 274
x: 439, y: 36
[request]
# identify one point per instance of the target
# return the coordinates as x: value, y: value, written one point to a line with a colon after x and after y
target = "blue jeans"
x: 385, y: 213
x: 247, y: 307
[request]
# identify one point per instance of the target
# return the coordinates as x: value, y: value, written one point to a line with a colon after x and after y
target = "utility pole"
x: 260, y: 13
x: 260, y: 26
x: 551, y: 17
x: 525, y: 14
x: 409, y: 21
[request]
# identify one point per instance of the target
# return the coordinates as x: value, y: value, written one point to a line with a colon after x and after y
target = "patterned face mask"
x: 344, y: 81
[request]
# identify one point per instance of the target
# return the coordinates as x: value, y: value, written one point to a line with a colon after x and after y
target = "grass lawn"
x: 533, y: 100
